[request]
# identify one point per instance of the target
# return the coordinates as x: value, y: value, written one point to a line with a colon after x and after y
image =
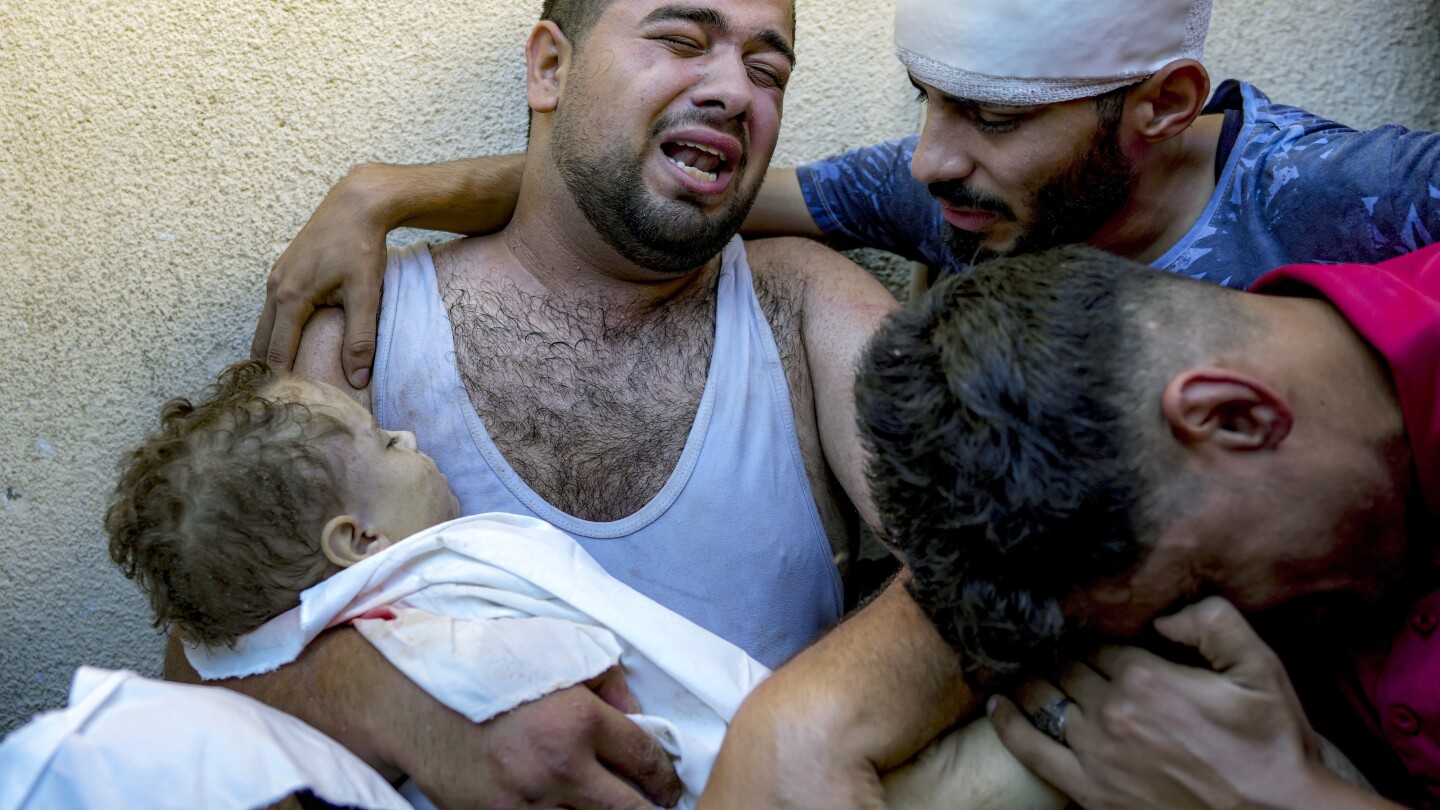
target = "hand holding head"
x: 1069, y: 442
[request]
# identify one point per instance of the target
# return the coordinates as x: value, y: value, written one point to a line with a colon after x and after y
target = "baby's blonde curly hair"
x: 218, y: 515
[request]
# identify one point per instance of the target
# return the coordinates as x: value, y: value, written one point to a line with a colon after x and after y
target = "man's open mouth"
x: 699, y: 161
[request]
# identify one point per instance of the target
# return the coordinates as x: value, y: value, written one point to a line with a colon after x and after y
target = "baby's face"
x: 385, y: 481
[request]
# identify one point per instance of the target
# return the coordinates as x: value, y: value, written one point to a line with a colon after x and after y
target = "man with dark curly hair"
x: 1040, y: 437
x: 1070, y: 448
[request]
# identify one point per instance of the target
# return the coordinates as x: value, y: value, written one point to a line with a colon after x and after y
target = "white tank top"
x: 733, y: 541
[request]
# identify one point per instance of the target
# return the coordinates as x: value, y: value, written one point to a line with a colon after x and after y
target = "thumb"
x: 362, y: 305
x: 1215, y: 628
x: 610, y: 687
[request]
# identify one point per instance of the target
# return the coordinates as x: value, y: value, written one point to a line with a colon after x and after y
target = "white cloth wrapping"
x: 127, y: 741
x: 495, y: 610
x: 1025, y: 52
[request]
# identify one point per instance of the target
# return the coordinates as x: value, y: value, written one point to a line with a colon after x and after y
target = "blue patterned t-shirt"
x: 1295, y: 189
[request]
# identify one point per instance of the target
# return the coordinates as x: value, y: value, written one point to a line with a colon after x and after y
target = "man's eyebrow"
x: 700, y: 15
x: 707, y: 17
x: 776, y: 41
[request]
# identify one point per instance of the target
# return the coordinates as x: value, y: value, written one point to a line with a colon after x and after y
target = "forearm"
x: 470, y: 196
x: 862, y: 700
x: 780, y: 209
x: 340, y: 685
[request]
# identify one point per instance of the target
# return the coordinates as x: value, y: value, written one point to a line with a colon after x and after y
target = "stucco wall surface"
x: 1359, y: 63
x: 156, y: 156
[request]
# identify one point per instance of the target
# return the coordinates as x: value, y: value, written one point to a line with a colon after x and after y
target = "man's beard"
x: 666, y: 236
x: 1068, y: 209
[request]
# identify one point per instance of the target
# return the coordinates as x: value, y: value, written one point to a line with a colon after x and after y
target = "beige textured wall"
x: 155, y: 156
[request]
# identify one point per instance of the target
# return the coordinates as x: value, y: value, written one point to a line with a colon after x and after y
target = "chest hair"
x: 590, y: 403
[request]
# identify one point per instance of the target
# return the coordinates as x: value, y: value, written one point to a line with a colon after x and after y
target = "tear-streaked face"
x: 667, y: 122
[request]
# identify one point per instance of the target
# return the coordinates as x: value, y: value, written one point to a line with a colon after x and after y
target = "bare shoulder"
x: 841, y: 305
x: 319, y: 355
x: 789, y: 248
x: 798, y: 258
x: 827, y: 283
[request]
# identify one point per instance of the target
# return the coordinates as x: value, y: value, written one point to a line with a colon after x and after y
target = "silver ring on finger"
x: 1050, y: 719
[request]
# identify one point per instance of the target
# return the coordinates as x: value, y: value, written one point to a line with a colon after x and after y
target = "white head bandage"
x: 1024, y: 52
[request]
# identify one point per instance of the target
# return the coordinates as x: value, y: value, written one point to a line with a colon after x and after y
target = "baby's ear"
x: 345, y: 542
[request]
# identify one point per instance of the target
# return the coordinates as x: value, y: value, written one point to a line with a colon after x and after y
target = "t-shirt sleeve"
x: 1413, y: 218
x: 867, y: 197
x: 1368, y: 195
x: 1299, y: 188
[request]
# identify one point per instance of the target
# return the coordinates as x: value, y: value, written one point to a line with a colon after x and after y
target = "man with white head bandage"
x: 1008, y: 52
x: 1052, y: 122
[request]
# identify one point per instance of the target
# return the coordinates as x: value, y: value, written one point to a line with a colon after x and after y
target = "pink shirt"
x: 1395, y: 305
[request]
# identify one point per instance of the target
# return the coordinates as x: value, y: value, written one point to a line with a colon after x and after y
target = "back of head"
x: 1011, y: 420
x: 1027, y: 52
x: 218, y: 515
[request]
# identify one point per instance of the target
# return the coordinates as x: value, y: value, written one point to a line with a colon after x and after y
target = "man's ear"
x: 1230, y: 409
x: 1165, y: 104
x: 547, y: 58
x: 345, y: 541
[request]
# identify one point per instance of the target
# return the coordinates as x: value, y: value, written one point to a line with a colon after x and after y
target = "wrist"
x: 356, y: 697
x: 842, y: 698
x: 377, y: 195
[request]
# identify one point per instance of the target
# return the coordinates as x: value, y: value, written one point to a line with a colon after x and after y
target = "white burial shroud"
x: 494, y: 610
x: 128, y: 741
